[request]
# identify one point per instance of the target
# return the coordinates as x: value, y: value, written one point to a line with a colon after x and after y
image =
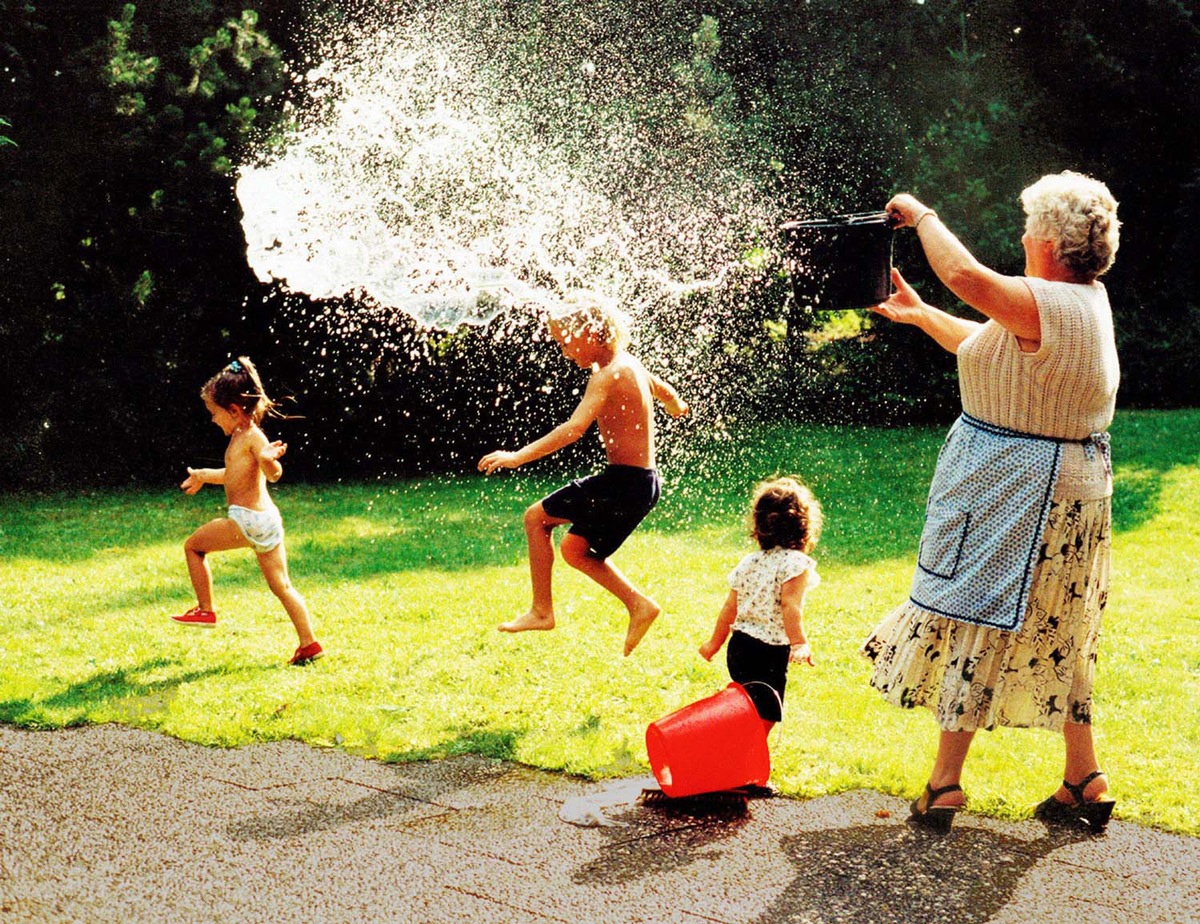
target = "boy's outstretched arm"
x: 665, y: 393
x: 563, y: 435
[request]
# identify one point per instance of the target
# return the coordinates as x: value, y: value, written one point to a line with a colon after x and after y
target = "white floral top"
x: 758, y: 582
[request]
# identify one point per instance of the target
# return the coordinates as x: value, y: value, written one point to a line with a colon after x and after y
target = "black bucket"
x: 840, y: 262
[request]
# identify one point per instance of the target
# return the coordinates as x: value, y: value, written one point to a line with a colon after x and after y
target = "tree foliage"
x: 122, y: 251
x: 125, y: 281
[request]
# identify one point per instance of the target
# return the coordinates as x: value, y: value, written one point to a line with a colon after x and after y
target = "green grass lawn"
x: 407, y: 581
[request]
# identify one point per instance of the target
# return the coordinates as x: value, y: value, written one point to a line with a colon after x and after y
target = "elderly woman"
x: 1002, y: 622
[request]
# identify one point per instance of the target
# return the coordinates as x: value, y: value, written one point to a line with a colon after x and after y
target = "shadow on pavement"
x: 681, y: 836
x: 406, y: 796
x: 884, y: 874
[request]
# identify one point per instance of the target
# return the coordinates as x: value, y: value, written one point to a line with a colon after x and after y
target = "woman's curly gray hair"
x: 1079, y: 215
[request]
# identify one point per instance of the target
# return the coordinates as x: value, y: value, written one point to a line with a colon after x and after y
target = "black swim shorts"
x: 605, y: 508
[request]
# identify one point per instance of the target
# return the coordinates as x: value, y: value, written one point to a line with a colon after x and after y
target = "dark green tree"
x: 124, y: 246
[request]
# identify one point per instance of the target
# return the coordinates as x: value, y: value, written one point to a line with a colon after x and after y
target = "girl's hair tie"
x: 236, y: 366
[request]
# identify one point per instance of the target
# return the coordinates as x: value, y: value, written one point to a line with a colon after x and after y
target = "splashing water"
x: 452, y: 166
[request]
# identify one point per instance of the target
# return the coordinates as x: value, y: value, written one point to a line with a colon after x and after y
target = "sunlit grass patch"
x: 408, y: 580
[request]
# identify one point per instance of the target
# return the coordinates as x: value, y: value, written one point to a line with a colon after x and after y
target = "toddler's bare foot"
x: 640, y: 617
x: 530, y: 620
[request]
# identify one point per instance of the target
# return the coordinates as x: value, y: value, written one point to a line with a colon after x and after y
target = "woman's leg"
x: 948, y: 765
x: 1080, y: 762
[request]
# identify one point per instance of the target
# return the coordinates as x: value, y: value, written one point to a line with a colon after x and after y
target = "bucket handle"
x: 763, y: 683
x: 890, y: 220
x: 779, y: 699
x: 854, y: 217
x: 848, y: 220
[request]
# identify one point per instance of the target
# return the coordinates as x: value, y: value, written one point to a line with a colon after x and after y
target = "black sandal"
x: 1095, y: 813
x: 935, y: 817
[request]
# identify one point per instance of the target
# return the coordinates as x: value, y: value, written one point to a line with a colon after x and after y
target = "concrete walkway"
x: 113, y: 824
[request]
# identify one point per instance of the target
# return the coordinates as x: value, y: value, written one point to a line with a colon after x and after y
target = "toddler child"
x: 765, y: 607
x: 236, y: 400
x: 605, y: 508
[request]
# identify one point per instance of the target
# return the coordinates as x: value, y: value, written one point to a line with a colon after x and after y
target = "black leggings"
x: 752, y: 663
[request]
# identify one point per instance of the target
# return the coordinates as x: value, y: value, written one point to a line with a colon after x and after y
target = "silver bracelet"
x: 925, y: 214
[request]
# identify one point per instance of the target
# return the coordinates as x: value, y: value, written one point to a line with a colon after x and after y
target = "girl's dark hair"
x: 785, y: 514
x: 238, y: 385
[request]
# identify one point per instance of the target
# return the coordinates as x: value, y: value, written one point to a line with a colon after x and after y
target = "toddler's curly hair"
x: 785, y: 514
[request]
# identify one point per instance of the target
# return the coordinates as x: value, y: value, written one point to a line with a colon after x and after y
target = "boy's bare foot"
x: 530, y: 620
x: 640, y: 618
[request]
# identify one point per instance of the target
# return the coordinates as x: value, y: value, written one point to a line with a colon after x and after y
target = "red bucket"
x: 715, y: 743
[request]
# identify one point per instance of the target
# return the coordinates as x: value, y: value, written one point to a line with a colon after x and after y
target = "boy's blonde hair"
x: 590, y: 315
x: 785, y: 514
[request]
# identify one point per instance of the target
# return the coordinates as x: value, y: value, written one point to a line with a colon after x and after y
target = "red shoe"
x: 306, y: 653
x: 197, y: 617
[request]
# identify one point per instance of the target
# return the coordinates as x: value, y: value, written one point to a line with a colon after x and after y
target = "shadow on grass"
x: 1147, y: 445
x: 451, y: 523
x: 872, y: 483
x: 78, y: 527
x: 500, y: 744
x: 873, y: 873
x: 124, y: 687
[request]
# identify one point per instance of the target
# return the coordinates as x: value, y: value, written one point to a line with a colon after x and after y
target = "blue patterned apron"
x: 984, y: 521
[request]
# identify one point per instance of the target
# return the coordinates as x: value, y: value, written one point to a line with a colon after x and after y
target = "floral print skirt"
x: 1039, y: 675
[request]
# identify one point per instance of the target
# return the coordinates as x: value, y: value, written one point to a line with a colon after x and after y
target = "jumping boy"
x: 605, y: 508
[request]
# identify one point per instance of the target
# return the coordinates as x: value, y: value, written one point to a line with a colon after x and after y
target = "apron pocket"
x: 942, y: 540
